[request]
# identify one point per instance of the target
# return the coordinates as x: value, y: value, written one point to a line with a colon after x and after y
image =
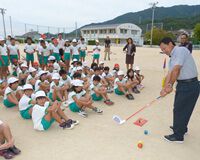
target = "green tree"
x: 158, y: 35
x: 197, y: 31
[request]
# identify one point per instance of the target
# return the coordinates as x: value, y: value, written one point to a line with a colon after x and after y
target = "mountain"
x: 173, y: 18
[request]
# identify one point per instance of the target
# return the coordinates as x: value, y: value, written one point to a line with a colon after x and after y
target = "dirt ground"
x: 98, y: 137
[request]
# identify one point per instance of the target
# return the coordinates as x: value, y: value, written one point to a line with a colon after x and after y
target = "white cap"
x: 56, y: 76
x: 12, y: 80
x: 79, y: 68
x: 84, y: 64
x: 40, y: 39
x: 51, y: 58
x: 137, y: 68
x: 56, y: 66
x: 101, y: 62
x: 1, y: 38
x: 74, y: 40
x: 41, y: 72
x: 66, y: 40
x: 40, y: 94
x: 97, y: 41
x: 75, y: 60
x: 120, y: 73
x: 31, y: 69
x: 24, y: 65
x: 77, y: 83
x: 27, y: 86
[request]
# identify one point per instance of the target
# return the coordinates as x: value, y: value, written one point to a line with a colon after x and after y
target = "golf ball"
x: 146, y: 132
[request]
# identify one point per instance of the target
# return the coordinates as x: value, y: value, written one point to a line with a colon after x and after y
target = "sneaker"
x: 15, y: 150
x: 97, y: 110
x: 66, y: 125
x: 129, y: 97
x: 172, y: 138
x: 7, y: 154
x: 82, y: 113
x: 74, y: 122
x: 172, y: 129
x: 108, y: 102
x: 135, y: 90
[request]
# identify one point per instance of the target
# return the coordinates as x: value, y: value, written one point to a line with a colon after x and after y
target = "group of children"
x: 43, y: 90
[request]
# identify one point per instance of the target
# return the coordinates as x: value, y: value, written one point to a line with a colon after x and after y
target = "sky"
x: 64, y: 13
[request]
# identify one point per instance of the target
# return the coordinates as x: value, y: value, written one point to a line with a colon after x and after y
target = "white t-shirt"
x: 68, y: 49
x: 55, y: 49
x: 52, y: 85
x: 65, y: 81
x: 75, y: 50
x: 46, y: 51
x: 91, y: 79
x: 37, y: 114
x: 83, y: 46
x: 29, y: 48
x: 24, y: 102
x: 3, y: 50
x: 61, y: 43
x: 123, y: 81
x: 106, y: 75
x: 9, y: 90
x: 37, y: 85
x: 92, y: 87
x: 78, y: 95
x: 96, y: 49
x: 13, y: 49
x: 29, y: 78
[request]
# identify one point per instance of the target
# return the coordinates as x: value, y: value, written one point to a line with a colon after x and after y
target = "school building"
x: 118, y: 33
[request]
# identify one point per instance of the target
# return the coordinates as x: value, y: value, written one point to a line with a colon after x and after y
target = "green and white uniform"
x: 93, y: 94
x: 13, y: 52
x: 24, y: 106
x: 4, y: 56
x: 117, y: 91
x: 96, y: 51
x: 29, y: 49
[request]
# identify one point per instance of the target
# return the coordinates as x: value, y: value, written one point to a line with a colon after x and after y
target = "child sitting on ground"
x: 12, y: 93
x: 3, y: 85
x: 79, y: 100
x: 22, y: 74
x: 109, y: 79
x: 115, y: 70
x: 98, y: 92
x: 139, y: 77
x: 121, y: 86
x: 44, y: 114
x: 26, y: 102
x: 132, y: 81
x: 31, y: 79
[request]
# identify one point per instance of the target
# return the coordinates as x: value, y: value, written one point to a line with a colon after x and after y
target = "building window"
x: 102, y: 31
x: 123, y: 31
x: 112, y: 31
x: 88, y: 32
x: 84, y: 32
x: 92, y: 31
x: 134, y: 32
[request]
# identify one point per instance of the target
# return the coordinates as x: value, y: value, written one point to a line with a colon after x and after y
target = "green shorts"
x: 51, y: 97
x: 82, y: 54
x: 14, y: 73
x: 6, y: 61
x: 75, y: 57
x: 12, y: 57
x: 47, y: 124
x: 96, y: 98
x: 29, y: 57
x: 118, y: 92
x: 43, y: 59
x: 25, y: 113
x: 8, y: 104
x: 96, y: 56
x: 73, y: 107
x: 67, y: 56
x: 57, y: 56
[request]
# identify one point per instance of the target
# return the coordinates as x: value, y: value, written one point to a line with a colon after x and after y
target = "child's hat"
x: 51, y: 58
x: 84, y: 64
x: 137, y: 68
x: 120, y: 73
x: 24, y: 65
x: 40, y: 94
x: 41, y: 73
x: 116, y: 65
x: 77, y: 83
x: 97, y: 41
x: 79, y: 68
x: 31, y: 69
x: 1, y: 38
x: 27, y: 86
x: 35, y: 63
x: 56, y: 66
x: 12, y: 80
x: 67, y: 40
x: 40, y: 39
x: 101, y: 62
x: 55, y: 76
x: 75, y: 60
x: 74, y: 40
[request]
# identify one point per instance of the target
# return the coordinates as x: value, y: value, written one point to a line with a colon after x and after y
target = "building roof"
x: 106, y: 26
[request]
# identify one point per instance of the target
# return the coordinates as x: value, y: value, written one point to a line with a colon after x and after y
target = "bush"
x: 91, y: 42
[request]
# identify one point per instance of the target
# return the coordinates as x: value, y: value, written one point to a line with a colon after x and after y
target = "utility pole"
x: 76, y: 29
x: 4, y: 27
x: 11, y: 30
x: 153, y: 7
x: 25, y: 28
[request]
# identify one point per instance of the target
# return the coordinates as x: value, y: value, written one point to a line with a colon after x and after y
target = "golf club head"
x: 118, y: 119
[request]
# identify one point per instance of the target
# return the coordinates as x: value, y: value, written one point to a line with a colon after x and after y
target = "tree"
x: 197, y: 31
x: 158, y: 35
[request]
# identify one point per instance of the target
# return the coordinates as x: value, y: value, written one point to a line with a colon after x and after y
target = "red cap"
x: 116, y: 65
x: 35, y: 63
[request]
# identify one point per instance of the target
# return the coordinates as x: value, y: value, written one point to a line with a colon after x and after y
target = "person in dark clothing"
x: 185, y: 42
x: 107, y: 48
x: 130, y: 50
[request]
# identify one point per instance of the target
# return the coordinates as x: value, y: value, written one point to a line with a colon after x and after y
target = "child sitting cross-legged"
x: 44, y: 114
x: 98, y: 92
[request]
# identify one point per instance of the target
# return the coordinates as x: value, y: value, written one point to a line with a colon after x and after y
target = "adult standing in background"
x: 185, y: 42
x: 107, y: 48
x: 61, y: 44
x: 8, y: 40
x: 182, y: 68
x: 130, y: 50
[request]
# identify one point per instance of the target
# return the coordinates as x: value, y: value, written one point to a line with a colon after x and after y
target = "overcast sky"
x: 64, y: 13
